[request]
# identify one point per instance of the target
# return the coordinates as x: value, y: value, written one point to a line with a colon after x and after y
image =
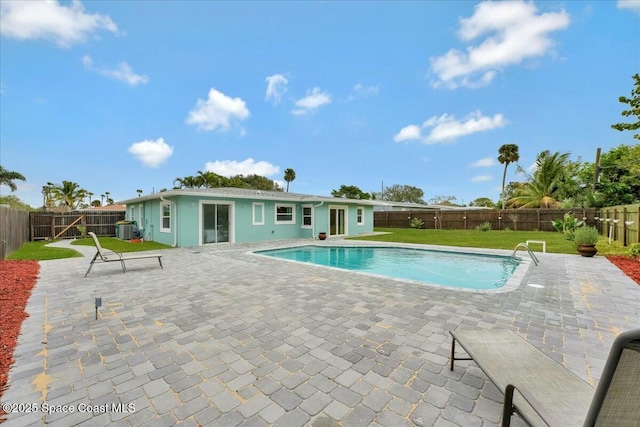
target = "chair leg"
x: 507, y: 408
x: 124, y: 269
x: 160, y: 261
x: 91, y: 264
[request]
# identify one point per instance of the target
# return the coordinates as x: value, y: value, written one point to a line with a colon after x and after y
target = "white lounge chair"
x: 121, y: 257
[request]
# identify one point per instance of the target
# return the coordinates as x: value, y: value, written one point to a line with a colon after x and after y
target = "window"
x: 132, y: 211
x: 165, y: 217
x: 307, y: 216
x: 360, y: 215
x: 258, y: 213
x: 285, y: 214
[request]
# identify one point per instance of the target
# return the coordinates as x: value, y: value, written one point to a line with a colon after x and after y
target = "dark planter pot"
x: 587, y: 250
x: 322, y: 236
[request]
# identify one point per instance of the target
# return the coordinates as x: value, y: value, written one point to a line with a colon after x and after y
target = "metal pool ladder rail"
x: 525, y: 246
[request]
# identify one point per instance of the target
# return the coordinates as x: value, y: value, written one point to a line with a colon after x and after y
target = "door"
x: 337, y: 221
x: 215, y: 223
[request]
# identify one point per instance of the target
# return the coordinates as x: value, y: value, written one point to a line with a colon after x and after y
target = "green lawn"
x: 494, y: 239
x: 39, y: 252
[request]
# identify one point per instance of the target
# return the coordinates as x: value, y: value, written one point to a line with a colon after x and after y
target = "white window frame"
x: 254, y: 212
x: 360, y: 215
x: 140, y: 217
x: 310, y: 207
x: 163, y: 229
x: 284, y: 205
x: 132, y: 213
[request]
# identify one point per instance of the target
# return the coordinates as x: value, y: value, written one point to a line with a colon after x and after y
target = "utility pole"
x: 596, y: 169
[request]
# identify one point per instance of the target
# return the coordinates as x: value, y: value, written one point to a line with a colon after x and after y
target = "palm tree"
x: 507, y: 153
x: 69, y: 194
x: 289, y: 175
x: 7, y: 177
x: 543, y: 188
x: 109, y: 201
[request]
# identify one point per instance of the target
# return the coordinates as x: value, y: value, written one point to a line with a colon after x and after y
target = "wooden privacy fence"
x: 513, y: 219
x: 50, y: 225
x: 620, y: 223
x: 14, y: 230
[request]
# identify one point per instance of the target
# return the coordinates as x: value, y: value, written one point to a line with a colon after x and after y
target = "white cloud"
x: 484, y: 163
x: 631, y: 5
x: 276, y: 87
x: 315, y: 98
x: 151, y: 153
x: 448, y: 128
x: 246, y: 167
x: 408, y: 133
x: 217, y: 111
x: 65, y: 25
x: 513, y: 31
x: 123, y: 72
x: 361, y: 91
x: 481, y: 178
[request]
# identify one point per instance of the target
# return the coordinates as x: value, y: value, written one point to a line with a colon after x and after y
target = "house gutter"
x: 175, y: 234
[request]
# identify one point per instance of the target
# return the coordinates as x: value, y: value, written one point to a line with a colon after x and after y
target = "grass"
x: 118, y: 245
x: 494, y: 239
x: 37, y: 251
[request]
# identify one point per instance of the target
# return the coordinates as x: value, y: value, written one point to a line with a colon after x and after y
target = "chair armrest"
x: 110, y: 254
x: 532, y: 401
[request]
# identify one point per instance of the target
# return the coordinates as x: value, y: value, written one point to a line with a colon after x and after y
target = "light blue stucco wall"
x: 187, y: 221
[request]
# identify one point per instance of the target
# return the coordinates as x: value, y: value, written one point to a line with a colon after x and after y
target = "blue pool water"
x: 456, y: 269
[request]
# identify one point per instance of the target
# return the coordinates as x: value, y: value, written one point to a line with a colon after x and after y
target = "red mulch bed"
x: 630, y: 267
x: 17, y: 279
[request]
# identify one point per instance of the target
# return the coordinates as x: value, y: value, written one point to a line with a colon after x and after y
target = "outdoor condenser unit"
x: 125, y: 231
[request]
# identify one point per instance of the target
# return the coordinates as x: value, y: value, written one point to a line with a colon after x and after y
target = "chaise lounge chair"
x: 110, y: 256
x: 545, y: 393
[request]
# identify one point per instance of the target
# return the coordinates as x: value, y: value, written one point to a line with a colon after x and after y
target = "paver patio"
x: 225, y: 337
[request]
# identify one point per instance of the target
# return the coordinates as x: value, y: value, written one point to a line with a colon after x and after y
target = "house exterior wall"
x: 251, y: 219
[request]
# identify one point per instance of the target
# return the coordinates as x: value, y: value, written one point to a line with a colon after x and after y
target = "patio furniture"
x: 544, y: 392
x: 110, y: 256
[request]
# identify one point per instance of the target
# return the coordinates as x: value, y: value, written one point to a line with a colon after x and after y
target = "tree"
x: 483, y: 202
x: 634, y: 109
x: 7, y: 177
x: 289, y: 175
x: 444, y: 200
x: 543, y: 189
x: 350, y: 192
x: 507, y: 154
x: 69, y: 194
x: 15, y: 203
x: 619, y: 176
x: 402, y: 193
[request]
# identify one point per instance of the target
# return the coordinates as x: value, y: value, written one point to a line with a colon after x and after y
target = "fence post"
x: 538, y: 212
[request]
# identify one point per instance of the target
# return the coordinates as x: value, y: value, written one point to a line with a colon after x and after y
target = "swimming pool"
x: 455, y: 269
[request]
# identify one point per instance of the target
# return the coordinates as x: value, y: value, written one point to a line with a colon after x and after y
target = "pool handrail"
x: 525, y: 246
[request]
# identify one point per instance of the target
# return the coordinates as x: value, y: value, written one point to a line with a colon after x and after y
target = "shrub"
x: 416, y: 223
x: 586, y: 236
x: 634, y: 251
x: 486, y: 226
x: 567, y: 225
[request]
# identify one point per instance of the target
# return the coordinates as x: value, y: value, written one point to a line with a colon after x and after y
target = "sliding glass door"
x: 216, y: 222
x: 337, y: 221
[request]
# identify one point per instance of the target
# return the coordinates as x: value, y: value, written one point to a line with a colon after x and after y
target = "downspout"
x: 175, y: 234
x: 313, y: 230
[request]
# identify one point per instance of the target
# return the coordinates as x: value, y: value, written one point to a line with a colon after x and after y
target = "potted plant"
x: 586, y: 239
x: 322, y: 235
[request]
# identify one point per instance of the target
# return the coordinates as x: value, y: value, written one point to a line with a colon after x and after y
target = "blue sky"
x: 123, y: 95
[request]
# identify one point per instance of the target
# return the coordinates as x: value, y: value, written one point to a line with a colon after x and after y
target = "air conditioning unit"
x: 125, y: 231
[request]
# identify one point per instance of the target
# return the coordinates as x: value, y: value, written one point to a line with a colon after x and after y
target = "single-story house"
x: 194, y: 217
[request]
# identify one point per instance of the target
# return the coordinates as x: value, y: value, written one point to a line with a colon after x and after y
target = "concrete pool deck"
x: 224, y: 337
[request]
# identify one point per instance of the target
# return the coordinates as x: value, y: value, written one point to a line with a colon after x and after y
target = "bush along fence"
x: 14, y: 230
x: 461, y: 219
x: 620, y: 223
